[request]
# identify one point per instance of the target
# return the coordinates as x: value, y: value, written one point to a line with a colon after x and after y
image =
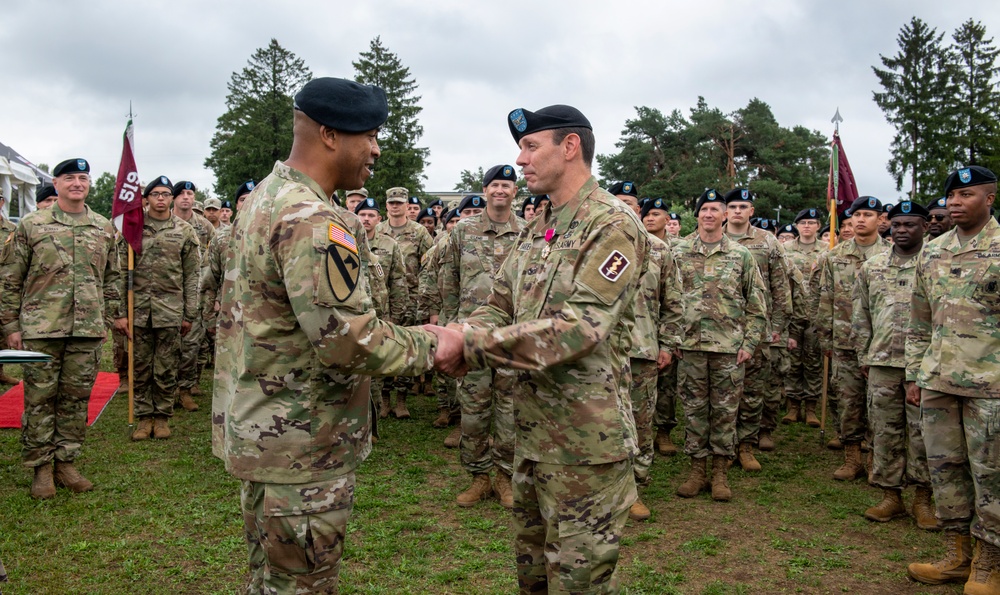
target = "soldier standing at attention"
x: 473, y: 254
x: 939, y: 218
x: 413, y: 242
x: 297, y: 330
x: 838, y: 271
x: 952, y: 372
x: 165, y: 286
x: 557, y: 313
x: 725, y: 318
x: 60, y: 281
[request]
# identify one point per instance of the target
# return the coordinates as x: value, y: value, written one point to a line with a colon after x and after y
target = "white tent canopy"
x: 19, y: 177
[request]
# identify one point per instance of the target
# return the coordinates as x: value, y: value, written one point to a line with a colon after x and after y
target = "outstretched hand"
x: 449, y: 357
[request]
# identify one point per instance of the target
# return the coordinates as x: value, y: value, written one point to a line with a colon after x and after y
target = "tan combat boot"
x: 6, y: 379
x: 639, y: 511
x: 985, y: 576
x: 383, y: 406
x: 793, y: 413
x: 454, y: 437
x: 400, y: 410
x: 479, y: 489
x: 746, y: 458
x: 923, y: 510
x: 697, y: 481
x: 811, y: 420
x: 720, y: 483
x: 67, y: 476
x: 764, y: 441
x: 196, y: 391
x: 835, y: 443
x: 443, y: 418
x: 889, y: 508
x: 42, y: 486
x: 143, y: 431
x: 503, y: 489
x: 664, y: 445
x: 161, y: 428
x: 852, y: 468
x: 954, y: 568
x: 187, y: 402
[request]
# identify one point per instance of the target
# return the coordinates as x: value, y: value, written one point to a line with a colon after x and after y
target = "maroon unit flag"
x: 126, y: 210
x: 841, y: 185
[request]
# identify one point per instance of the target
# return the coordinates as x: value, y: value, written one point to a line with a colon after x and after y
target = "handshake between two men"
x: 449, y: 358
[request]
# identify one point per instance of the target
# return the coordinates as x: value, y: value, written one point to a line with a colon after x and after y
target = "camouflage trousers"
x: 710, y: 386
x: 644, y: 374
x: 120, y: 343
x: 487, y: 400
x: 295, y: 534
x: 56, y: 395
x: 962, y: 436
x: 756, y: 379
x: 568, y: 523
x: 157, y: 353
x: 666, y: 398
x: 189, y: 371
x: 447, y: 393
x: 849, y: 385
x: 780, y: 365
x: 804, y: 380
x: 898, y: 454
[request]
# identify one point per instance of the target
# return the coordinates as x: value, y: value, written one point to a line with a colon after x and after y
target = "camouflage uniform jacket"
x: 395, y: 301
x: 953, y: 343
x: 413, y: 241
x: 203, y: 228
x: 297, y: 330
x: 838, y: 270
x: 211, y: 274
x: 430, y: 280
x: 770, y: 258
x: 60, y: 276
x: 6, y: 225
x: 476, y: 249
x: 166, y: 279
x: 658, y: 309
x: 557, y: 310
x: 881, y: 313
x: 725, y: 308
x: 801, y: 298
x: 805, y: 258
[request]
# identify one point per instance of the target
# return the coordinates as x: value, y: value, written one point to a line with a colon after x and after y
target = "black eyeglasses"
x: 938, y: 217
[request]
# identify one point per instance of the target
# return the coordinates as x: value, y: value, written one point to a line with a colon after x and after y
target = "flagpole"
x: 131, y: 337
x: 833, y: 187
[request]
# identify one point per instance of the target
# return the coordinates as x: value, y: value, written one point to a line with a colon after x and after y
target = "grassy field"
x: 164, y: 518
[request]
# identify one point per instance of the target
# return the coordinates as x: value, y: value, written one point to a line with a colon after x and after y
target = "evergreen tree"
x: 402, y: 163
x: 916, y: 99
x: 974, y: 71
x: 470, y: 182
x: 101, y: 195
x: 256, y: 129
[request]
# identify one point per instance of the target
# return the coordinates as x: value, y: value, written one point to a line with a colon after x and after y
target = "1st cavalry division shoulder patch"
x: 342, y: 263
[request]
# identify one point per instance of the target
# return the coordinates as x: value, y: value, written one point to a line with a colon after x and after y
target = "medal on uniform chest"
x: 549, y: 234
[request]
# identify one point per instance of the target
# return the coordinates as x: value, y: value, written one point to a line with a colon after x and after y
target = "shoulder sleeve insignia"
x: 614, y: 266
x: 342, y: 270
x: 340, y: 236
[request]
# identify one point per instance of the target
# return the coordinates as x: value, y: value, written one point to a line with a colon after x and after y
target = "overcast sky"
x: 70, y: 70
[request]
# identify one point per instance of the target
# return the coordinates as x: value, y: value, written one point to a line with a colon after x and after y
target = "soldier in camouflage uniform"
x: 475, y: 251
x: 413, y: 242
x: 940, y: 220
x: 838, y: 271
x: 448, y: 393
x: 559, y: 313
x: 166, y: 302
x: 60, y: 280
x: 297, y: 328
x: 952, y: 372
x: 6, y: 228
x: 803, y: 383
x: 751, y: 425
x: 881, y: 314
x: 724, y: 321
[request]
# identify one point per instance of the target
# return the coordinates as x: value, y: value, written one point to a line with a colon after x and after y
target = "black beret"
x: 866, y: 203
x: 71, y: 166
x: 788, y: 229
x: 436, y: 203
x: 413, y: 200
x: 674, y: 216
x: 245, y: 188
x: 523, y: 122
x: 499, y: 172
x: 824, y: 229
x: 643, y: 201
x: 886, y: 208
x: 45, y: 192
x: 449, y: 216
x: 471, y: 201
x: 342, y: 104
x: 540, y: 198
x: 844, y: 217
x: 974, y: 175
x: 709, y: 195
x: 941, y: 203
x: 808, y: 214
x: 765, y: 224
x: 658, y: 204
x: 368, y: 203
x: 906, y: 208
x: 184, y: 185
x: 227, y: 205
x: 626, y: 188
x: 160, y: 181
x: 428, y: 212
x: 739, y: 195
x: 528, y: 201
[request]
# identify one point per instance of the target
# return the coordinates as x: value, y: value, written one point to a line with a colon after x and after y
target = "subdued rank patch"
x: 342, y: 271
x: 615, y: 264
x: 338, y: 235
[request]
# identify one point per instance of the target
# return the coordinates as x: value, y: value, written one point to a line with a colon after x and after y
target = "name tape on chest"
x: 614, y: 265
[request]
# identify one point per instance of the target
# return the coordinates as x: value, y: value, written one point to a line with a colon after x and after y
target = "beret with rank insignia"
x: 941, y: 203
x: 709, y: 195
x: 974, y: 175
x: 471, y: 201
x: 71, y: 166
x: 626, y: 188
x: 499, y: 172
x: 658, y: 204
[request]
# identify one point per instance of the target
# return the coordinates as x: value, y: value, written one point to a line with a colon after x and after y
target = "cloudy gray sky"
x: 70, y: 70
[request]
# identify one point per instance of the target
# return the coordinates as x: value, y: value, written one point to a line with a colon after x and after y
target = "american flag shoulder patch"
x: 339, y: 235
